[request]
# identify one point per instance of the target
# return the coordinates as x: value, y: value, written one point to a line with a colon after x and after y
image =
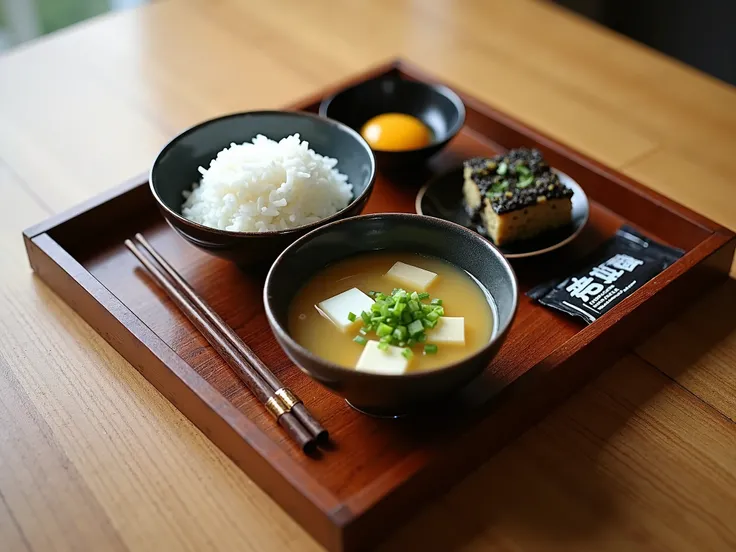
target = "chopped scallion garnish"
x: 429, y: 324
x: 415, y: 328
x: 401, y: 318
x: 430, y: 349
x: 384, y: 330
x: 522, y: 170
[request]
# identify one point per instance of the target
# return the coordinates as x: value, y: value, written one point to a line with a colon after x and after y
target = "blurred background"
x: 701, y: 33
x: 23, y: 20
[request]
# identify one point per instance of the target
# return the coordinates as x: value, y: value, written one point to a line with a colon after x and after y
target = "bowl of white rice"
x: 245, y: 186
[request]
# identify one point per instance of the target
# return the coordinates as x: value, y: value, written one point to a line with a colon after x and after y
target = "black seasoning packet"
x: 614, y: 271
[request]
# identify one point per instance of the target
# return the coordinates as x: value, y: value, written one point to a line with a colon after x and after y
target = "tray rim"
x: 272, y: 468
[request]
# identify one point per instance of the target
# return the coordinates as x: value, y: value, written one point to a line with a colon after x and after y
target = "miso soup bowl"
x: 390, y: 395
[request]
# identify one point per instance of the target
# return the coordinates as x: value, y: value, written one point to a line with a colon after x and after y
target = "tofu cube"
x: 337, y: 308
x: 413, y: 277
x: 449, y: 330
x: 389, y: 362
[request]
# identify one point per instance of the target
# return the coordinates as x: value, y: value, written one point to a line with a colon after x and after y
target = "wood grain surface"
x: 93, y: 458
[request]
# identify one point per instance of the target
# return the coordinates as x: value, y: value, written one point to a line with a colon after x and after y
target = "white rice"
x: 267, y: 185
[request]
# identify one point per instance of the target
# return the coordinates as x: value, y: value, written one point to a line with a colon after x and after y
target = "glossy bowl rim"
x: 445, y: 91
x: 283, y: 334
x: 271, y: 233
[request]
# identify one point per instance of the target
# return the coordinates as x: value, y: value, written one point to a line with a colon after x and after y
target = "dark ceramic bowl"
x: 436, y: 106
x: 385, y: 394
x: 175, y: 170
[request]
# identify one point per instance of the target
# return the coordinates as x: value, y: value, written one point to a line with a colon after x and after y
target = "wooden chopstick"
x: 245, y: 372
x: 290, y: 399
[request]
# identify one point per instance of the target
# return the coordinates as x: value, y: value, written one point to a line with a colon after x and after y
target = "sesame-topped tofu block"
x: 389, y: 362
x: 412, y: 277
x: 337, y: 309
x: 516, y: 196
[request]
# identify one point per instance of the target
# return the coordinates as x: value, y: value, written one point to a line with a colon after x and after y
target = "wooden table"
x: 93, y: 458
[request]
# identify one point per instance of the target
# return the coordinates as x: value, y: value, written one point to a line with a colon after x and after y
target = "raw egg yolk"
x: 395, y: 132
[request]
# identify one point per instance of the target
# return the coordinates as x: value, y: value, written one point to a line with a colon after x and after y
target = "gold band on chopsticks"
x: 276, y: 406
x: 288, y: 398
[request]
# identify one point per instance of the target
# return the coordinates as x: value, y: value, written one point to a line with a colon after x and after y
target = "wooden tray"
x: 380, y: 471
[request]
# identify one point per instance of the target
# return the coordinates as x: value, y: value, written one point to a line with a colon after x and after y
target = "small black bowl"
x: 378, y: 394
x: 175, y: 170
x: 436, y: 106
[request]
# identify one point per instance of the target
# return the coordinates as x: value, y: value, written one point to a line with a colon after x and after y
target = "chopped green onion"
x: 399, y: 319
x: 415, y: 328
x: 384, y: 330
x: 522, y: 170
x: 498, y: 187
x: 400, y: 333
x: 502, y: 168
x: 429, y: 349
x: 524, y: 182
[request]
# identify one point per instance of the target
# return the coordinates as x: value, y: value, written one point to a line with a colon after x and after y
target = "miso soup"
x: 353, y: 313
